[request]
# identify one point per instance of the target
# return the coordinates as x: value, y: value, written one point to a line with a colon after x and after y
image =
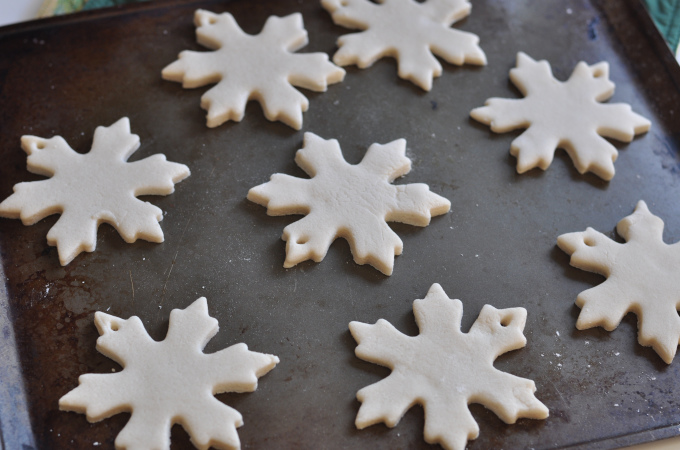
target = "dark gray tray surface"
x: 497, y: 245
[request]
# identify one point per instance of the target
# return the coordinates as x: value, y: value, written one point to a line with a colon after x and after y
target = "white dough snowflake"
x: 564, y: 115
x: 93, y: 188
x: 168, y: 382
x: 349, y: 201
x: 247, y: 67
x: 408, y: 31
x: 643, y: 277
x: 444, y: 369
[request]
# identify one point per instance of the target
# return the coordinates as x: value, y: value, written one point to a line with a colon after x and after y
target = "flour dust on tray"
x: 168, y: 382
x: 247, y: 67
x: 565, y: 115
x: 408, y: 31
x: 93, y: 188
x: 354, y: 202
x: 444, y: 369
x: 643, y: 277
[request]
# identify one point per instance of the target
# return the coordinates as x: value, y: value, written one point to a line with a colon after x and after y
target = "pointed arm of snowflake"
x: 351, y: 13
x: 388, y: 400
x: 115, y: 142
x: 192, y: 327
x: 590, y: 250
x: 33, y: 201
x: 286, y: 31
x: 380, y: 343
x: 214, y: 30
x: 195, y: 69
x: 594, y: 252
x: 618, y: 121
x: 99, y: 395
x: 121, y: 339
x: 415, y: 204
x: 500, y: 330
x: 247, y: 367
x: 387, y: 161
x: 282, y: 195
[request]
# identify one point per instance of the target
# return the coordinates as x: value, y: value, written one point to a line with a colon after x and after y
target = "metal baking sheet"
x: 68, y: 75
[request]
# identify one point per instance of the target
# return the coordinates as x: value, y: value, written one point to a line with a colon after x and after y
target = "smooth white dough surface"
x: 643, y: 276
x: 444, y: 369
x: 408, y: 31
x: 90, y: 189
x: 354, y: 202
x: 167, y: 382
x: 565, y: 115
x: 246, y: 67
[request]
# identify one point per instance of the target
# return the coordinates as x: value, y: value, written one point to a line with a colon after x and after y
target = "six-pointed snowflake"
x: 247, y: 67
x: 445, y: 369
x: 567, y: 115
x: 350, y: 201
x: 408, y: 31
x: 168, y: 382
x: 93, y: 188
x: 643, y: 276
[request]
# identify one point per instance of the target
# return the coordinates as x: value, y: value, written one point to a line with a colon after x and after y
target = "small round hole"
x: 303, y: 240
x: 114, y: 327
x: 40, y: 145
x: 505, y: 321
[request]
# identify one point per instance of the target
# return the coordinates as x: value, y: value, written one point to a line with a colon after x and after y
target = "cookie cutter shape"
x: 445, y: 369
x: 354, y: 202
x: 565, y: 115
x: 93, y: 188
x: 253, y: 67
x: 643, y: 277
x: 166, y: 382
x: 408, y: 31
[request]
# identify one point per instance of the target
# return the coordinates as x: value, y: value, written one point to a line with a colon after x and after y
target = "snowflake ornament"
x: 444, y: 369
x: 643, y: 277
x: 408, y: 31
x: 247, y: 67
x: 168, y: 382
x: 354, y: 202
x: 93, y: 188
x: 564, y: 115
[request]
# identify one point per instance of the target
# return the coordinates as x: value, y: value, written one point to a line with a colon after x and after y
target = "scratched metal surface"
x: 68, y: 75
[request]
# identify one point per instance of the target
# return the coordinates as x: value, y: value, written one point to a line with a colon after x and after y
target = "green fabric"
x: 69, y: 6
x: 94, y: 4
x: 666, y: 16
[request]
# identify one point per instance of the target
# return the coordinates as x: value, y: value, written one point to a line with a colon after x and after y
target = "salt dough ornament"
x: 247, y: 67
x: 93, y: 188
x: 444, y: 369
x: 168, y: 382
x: 354, y: 202
x: 564, y: 115
x: 408, y: 31
x: 643, y: 277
